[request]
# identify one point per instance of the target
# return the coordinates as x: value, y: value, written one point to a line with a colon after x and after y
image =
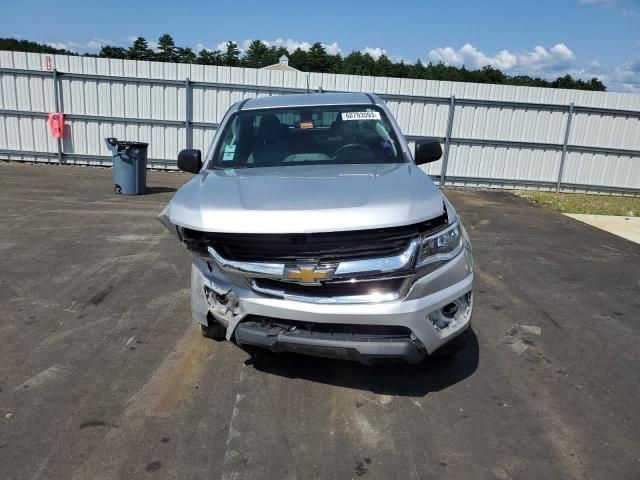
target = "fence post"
x: 188, y: 114
x: 564, y: 147
x: 447, y: 140
x: 56, y: 100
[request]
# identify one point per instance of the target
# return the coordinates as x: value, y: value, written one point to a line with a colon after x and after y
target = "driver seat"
x: 270, y: 149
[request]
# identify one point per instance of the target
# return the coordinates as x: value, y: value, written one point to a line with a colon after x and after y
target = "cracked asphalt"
x: 103, y: 375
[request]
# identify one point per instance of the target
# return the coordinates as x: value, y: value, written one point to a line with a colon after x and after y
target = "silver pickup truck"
x: 313, y: 230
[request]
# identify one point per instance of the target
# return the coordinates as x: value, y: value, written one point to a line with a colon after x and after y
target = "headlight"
x: 441, y: 246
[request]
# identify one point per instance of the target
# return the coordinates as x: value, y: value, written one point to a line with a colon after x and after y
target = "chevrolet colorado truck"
x: 314, y: 230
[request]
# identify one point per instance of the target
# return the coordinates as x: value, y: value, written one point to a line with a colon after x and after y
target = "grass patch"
x: 584, y: 203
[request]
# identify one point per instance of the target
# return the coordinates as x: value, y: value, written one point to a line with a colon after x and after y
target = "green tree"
x: 13, y: 44
x: 596, y: 85
x: 231, y: 57
x: 257, y: 55
x: 352, y: 63
x: 384, y: 66
x: 113, y: 52
x: 185, y: 55
x: 208, y: 57
x: 493, y: 75
x: 140, y: 50
x: 419, y: 70
x: 564, y: 82
x: 334, y: 63
x: 317, y: 58
x: 167, y: 51
x: 401, y: 70
x: 298, y: 59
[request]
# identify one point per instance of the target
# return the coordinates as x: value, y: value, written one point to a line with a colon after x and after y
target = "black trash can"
x: 129, y: 166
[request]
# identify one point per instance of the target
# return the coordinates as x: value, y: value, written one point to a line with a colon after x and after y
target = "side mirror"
x: 427, y: 150
x: 190, y: 160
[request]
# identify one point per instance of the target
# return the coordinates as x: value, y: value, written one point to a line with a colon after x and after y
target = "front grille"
x: 317, y: 247
x: 333, y: 289
x: 328, y: 331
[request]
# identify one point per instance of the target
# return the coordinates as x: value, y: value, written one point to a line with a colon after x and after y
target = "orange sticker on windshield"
x: 306, y: 124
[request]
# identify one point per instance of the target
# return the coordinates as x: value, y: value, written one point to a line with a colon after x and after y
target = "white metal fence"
x: 493, y: 135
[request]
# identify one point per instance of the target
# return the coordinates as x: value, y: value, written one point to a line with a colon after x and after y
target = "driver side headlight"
x: 441, y: 246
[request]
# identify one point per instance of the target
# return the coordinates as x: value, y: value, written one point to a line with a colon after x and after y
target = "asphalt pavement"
x: 103, y: 375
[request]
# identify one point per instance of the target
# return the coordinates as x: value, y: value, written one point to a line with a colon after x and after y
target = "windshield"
x: 307, y: 135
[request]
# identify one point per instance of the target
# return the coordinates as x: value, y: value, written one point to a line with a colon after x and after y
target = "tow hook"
x: 417, y: 343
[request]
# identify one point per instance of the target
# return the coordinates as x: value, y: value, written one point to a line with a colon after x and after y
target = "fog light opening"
x: 450, y: 310
x: 221, y: 303
x: 451, y: 314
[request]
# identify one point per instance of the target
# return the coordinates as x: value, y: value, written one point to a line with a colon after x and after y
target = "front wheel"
x: 213, y: 330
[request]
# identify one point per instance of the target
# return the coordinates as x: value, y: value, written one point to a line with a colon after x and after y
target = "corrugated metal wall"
x: 498, y: 135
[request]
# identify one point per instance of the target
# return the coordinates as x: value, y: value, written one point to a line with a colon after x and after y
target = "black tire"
x: 214, y: 330
x: 454, y: 346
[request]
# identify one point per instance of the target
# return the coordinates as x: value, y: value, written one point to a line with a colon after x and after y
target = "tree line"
x: 315, y: 59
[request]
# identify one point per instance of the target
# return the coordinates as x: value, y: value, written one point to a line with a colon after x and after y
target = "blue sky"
x: 544, y: 38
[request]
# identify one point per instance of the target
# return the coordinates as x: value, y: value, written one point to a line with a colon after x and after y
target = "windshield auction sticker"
x: 360, y: 115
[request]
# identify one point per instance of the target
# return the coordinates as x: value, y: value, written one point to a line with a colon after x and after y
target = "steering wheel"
x: 352, y: 146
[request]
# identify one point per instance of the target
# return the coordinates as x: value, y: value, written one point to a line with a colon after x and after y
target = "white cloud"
x: 290, y: 44
x: 97, y: 43
x: 548, y: 63
x: 222, y: 46
x: 93, y: 44
x: 625, y: 77
x: 60, y: 45
x: 538, y: 60
x: 332, y: 48
x: 376, y: 52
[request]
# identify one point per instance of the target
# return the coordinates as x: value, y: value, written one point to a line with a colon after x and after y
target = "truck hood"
x: 305, y: 199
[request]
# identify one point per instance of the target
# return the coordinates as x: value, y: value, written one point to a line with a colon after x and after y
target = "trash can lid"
x: 124, y: 144
x: 132, y: 144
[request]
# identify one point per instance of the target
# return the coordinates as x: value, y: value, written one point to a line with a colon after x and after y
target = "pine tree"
x: 167, y: 49
x: 298, y: 59
x: 185, y: 55
x: 208, y: 57
x: 140, y: 50
x: 256, y: 55
x: 384, y: 66
x: 231, y: 56
x: 113, y: 52
x: 317, y: 58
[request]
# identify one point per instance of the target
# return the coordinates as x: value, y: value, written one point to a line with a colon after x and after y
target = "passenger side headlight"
x: 441, y: 246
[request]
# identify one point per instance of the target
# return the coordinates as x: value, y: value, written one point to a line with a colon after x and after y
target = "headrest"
x: 270, y: 129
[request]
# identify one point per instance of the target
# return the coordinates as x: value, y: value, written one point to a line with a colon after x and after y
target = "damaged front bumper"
x: 409, y: 328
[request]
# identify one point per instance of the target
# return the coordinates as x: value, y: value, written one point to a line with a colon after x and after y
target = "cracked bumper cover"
x: 361, y: 350
x: 428, y: 294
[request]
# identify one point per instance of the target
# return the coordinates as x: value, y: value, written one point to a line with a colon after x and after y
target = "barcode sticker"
x: 360, y: 115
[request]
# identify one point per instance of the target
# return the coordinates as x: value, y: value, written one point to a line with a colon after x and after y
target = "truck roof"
x: 310, y: 99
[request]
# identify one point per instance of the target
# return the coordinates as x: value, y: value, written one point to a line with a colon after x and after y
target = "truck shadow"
x: 399, y: 379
